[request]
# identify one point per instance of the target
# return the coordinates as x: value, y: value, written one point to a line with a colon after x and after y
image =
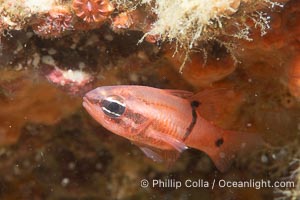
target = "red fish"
x: 163, y: 123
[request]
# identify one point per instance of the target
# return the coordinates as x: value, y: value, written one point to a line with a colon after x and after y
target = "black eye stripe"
x: 115, y: 101
x: 110, y: 113
x: 113, y: 107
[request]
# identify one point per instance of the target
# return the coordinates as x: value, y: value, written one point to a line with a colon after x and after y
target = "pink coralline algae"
x: 74, y: 81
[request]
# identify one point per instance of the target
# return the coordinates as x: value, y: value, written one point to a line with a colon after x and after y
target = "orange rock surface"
x: 28, y: 99
x: 201, y: 71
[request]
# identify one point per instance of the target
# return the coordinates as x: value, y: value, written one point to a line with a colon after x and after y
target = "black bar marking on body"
x: 194, y: 105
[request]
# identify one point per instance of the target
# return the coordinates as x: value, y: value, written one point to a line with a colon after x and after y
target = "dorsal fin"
x: 180, y: 93
x: 217, y: 104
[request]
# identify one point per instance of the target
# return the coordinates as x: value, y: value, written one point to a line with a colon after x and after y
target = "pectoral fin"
x: 173, y: 142
x: 139, y: 128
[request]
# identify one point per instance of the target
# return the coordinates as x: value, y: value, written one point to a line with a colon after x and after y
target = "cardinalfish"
x: 164, y: 123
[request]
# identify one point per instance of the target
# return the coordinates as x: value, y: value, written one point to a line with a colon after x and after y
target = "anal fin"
x: 159, y: 155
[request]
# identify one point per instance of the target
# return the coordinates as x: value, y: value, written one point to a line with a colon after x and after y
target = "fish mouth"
x: 87, y: 104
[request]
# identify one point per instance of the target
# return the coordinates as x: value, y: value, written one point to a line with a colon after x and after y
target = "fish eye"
x: 113, y: 106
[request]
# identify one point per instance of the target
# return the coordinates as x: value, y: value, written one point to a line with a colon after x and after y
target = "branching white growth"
x: 243, y: 34
x: 189, y: 22
x: 13, y: 13
x: 274, y: 3
x: 186, y: 21
x: 262, y: 20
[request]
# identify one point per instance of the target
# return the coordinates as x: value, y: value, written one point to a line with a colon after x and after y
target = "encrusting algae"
x: 53, y: 52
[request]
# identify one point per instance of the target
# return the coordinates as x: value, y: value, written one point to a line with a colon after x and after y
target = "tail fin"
x: 224, y: 146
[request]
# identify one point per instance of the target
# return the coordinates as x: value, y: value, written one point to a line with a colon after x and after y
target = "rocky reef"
x: 54, y: 51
